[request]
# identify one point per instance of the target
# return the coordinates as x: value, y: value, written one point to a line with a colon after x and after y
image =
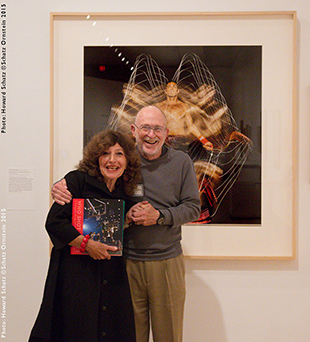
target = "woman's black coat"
x: 85, y: 300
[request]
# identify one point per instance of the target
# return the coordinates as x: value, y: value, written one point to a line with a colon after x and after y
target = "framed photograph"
x: 252, y: 57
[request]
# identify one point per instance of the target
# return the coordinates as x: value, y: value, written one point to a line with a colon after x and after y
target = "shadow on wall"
x: 203, y: 320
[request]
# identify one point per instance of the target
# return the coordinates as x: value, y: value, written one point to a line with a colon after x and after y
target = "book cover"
x: 101, y: 219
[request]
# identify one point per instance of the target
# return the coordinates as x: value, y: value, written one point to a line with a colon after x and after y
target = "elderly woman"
x: 87, y: 297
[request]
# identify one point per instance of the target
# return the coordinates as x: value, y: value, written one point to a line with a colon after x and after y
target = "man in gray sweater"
x: 152, y: 244
x: 167, y: 198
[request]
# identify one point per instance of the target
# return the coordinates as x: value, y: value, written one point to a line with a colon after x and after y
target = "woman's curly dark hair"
x: 100, y: 143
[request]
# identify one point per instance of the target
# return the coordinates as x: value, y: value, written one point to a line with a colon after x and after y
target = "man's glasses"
x: 146, y: 129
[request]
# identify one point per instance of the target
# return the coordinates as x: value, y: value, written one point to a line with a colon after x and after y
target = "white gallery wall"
x: 227, y: 300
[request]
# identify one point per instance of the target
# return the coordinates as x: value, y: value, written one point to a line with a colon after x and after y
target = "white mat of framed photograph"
x: 273, y: 237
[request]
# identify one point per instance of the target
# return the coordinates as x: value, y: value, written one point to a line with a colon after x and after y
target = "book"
x: 101, y: 219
